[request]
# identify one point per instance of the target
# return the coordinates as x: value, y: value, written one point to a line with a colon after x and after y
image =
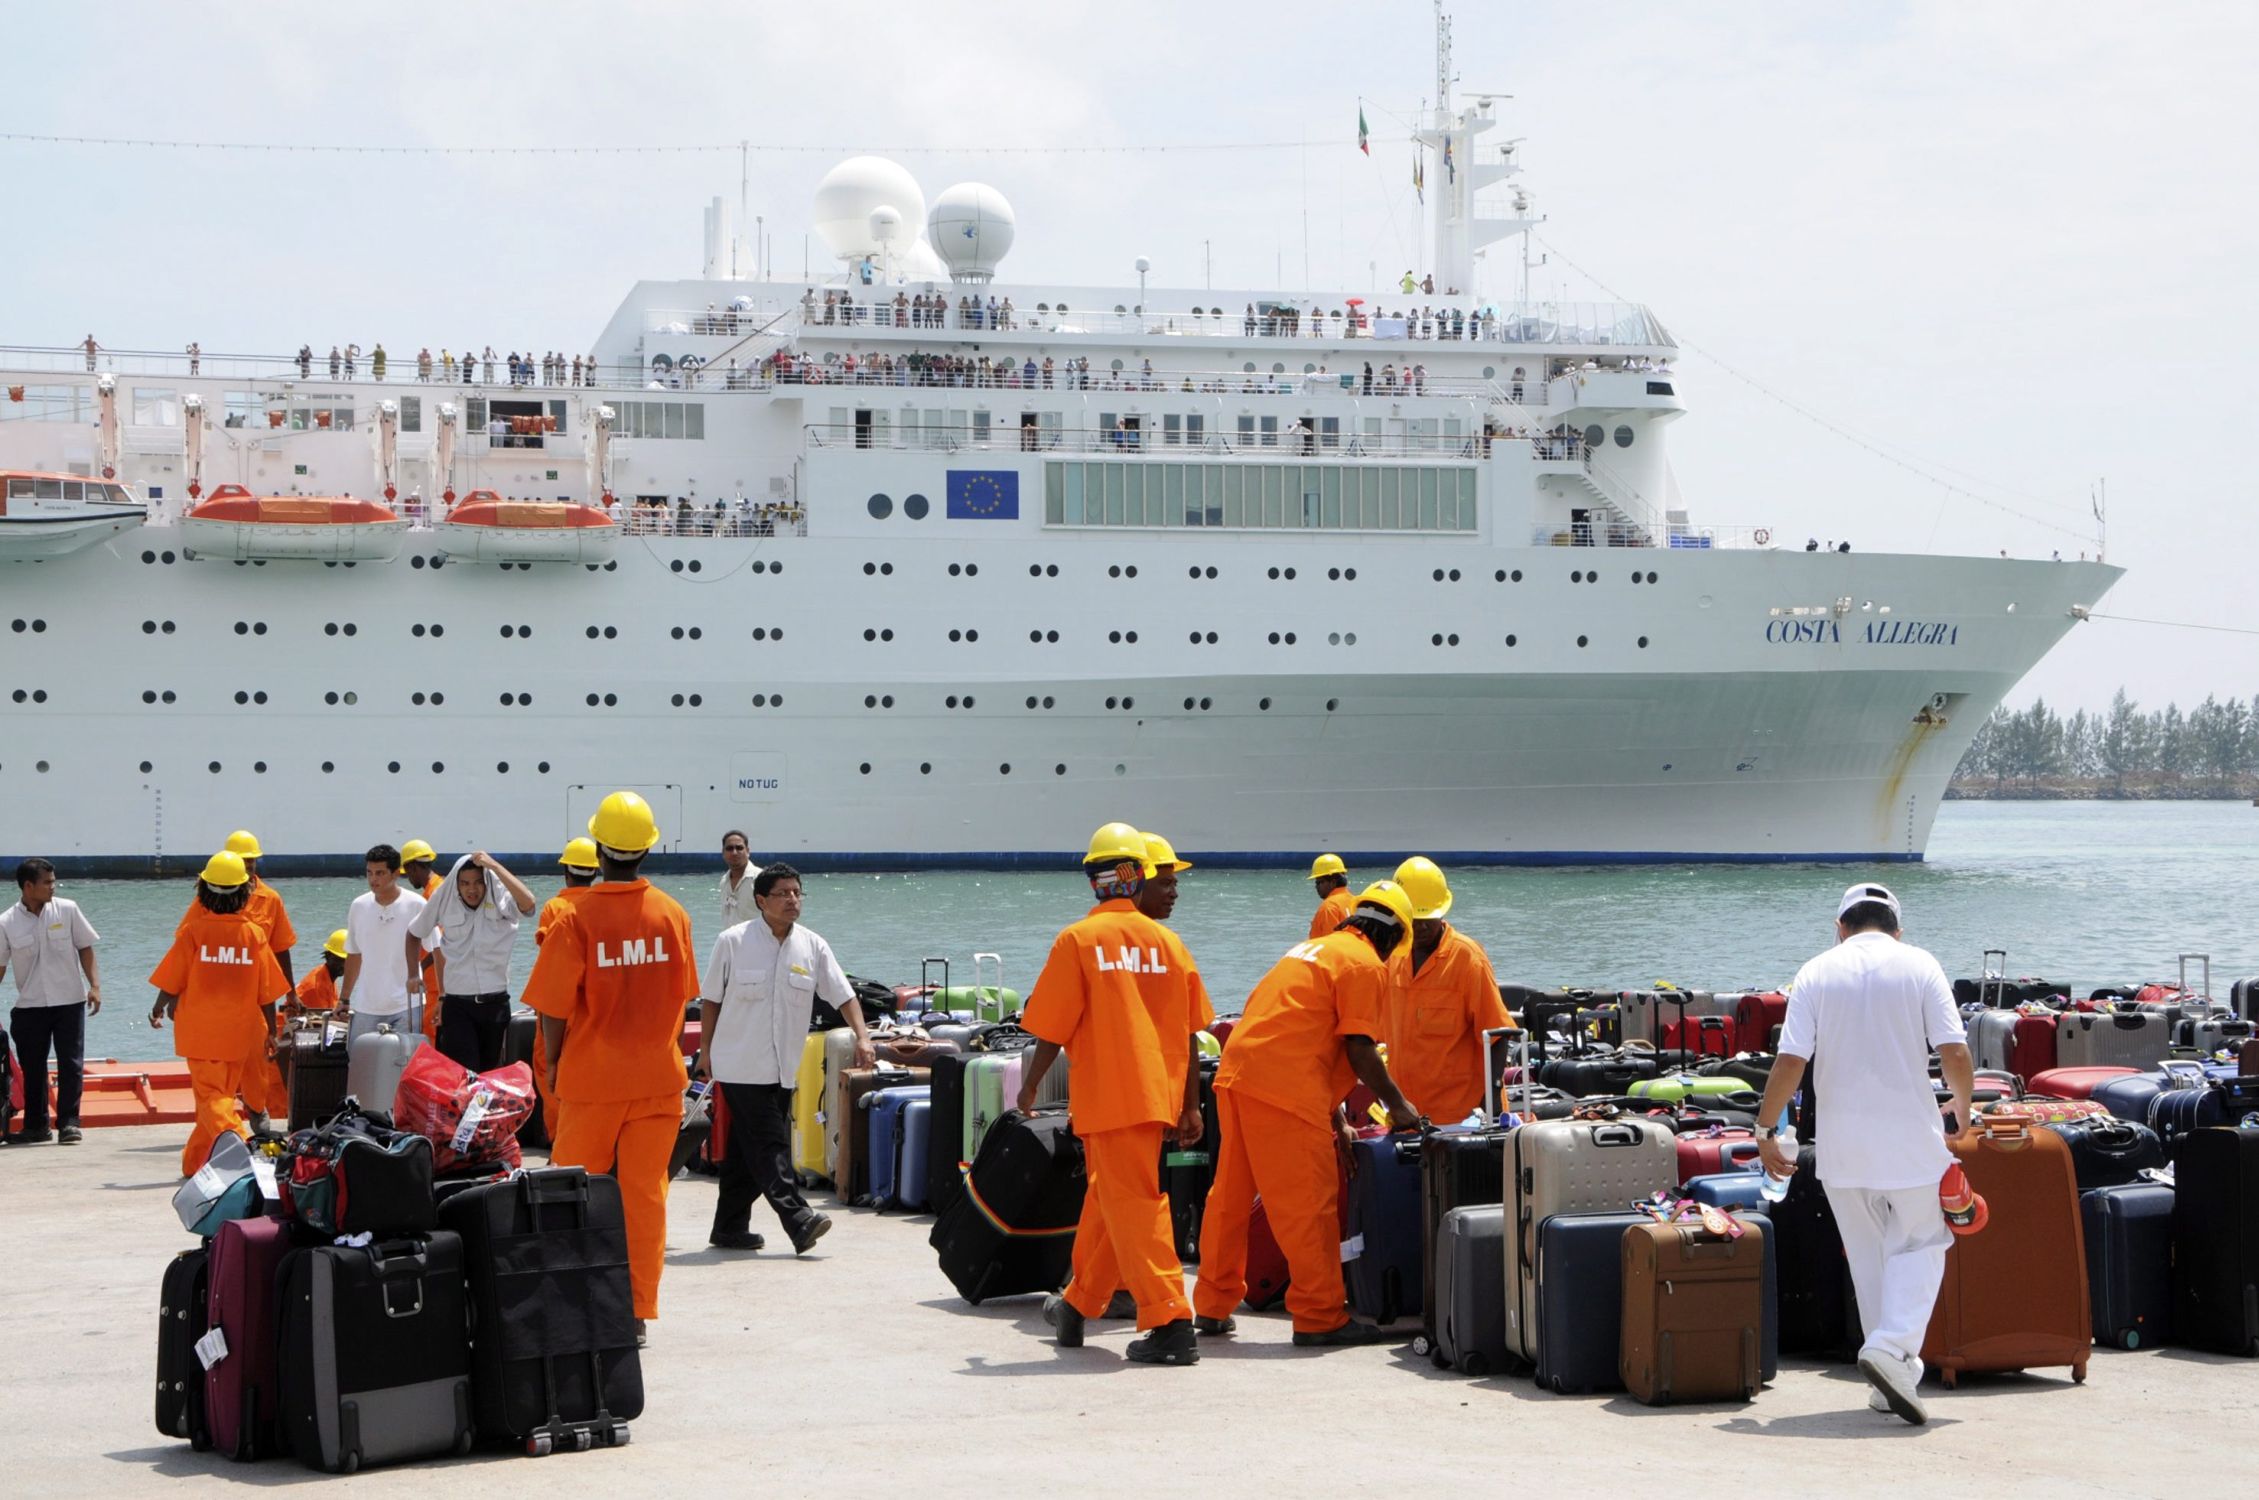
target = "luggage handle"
x: 1614, y: 1133
x: 2204, y: 959
x: 925, y: 977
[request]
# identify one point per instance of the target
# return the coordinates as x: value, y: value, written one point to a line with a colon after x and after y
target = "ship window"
x: 146, y: 768
x: 1623, y: 437
x: 880, y: 506
x: 411, y: 413
x: 1595, y: 435
x: 156, y: 406
x: 916, y: 507
x: 51, y: 403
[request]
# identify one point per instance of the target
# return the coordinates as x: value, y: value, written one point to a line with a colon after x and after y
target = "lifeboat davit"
x: 234, y: 525
x: 487, y: 528
x: 54, y: 515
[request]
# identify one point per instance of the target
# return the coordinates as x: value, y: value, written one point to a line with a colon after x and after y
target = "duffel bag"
x: 356, y: 1176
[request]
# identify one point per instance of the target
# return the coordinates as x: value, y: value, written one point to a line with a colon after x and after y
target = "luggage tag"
x: 473, y: 1113
x: 211, y: 1348
x: 1351, y: 1248
x: 263, y: 1169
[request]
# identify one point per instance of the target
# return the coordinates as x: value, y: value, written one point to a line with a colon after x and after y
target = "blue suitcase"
x: 1580, y: 1303
x: 1731, y: 1190
x: 2129, y: 1263
x: 2221, y: 1101
x: 2129, y: 1098
x: 886, y: 1159
x: 910, y: 1177
x: 1382, y: 1243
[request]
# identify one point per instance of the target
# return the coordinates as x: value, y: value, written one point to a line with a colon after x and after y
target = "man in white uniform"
x: 1865, y: 1015
x: 50, y: 945
x: 755, y: 1001
x: 376, y: 985
x: 737, y: 878
x: 479, y: 926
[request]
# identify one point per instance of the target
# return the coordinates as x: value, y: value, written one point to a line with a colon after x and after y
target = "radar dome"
x: 971, y: 228
x: 855, y: 190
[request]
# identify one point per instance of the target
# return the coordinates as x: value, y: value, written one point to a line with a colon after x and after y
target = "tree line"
x: 2214, y: 742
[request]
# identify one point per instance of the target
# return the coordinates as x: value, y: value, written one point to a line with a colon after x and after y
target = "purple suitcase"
x: 241, y: 1390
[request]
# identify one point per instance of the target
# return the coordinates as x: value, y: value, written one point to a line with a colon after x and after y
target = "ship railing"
x: 30, y: 359
x: 1610, y: 533
x: 1420, y: 320
x: 1345, y: 447
x: 1387, y: 384
x: 746, y: 520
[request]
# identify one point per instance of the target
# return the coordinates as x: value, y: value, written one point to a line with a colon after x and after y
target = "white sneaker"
x: 1895, y: 1379
x: 1877, y: 1401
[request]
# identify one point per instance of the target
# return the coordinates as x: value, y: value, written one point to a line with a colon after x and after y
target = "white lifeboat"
x: 234, y: 525
x: 487, y: 528
x: 54, y: 515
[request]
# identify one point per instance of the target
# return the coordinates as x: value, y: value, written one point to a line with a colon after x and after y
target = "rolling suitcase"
x: 2244, y: 997
x: 2075, y: 1083
x: 1698, y: 1037
x: 544, y: 1260
x: 374, y: 1352
x: 1819, y: 1312
x: 1188, y: 1172
x: 517, y: 1047
x: 2129, y: 1263
x: 897, y: 1049
x: 808, y: 1089
x: 2120, y: 1039
x: 183, y: 1313
x: 1606, y: 1075
x: 992, y: 1087
x: 375, y: 1061
x: 2015, y: 1294
x: 694, y: 1138
x: 857, y: 1085
x: 1739, y: 1191
x: 1461, y: 1166
x: 241, y: 1397
x: 1467, y: 1280
x: 1678, y: 1088
x: 1579, y: 1309
x: 1755, y: 1017
x: 2009, y: 1041
x: 2107, y: 1151
x: 1709, y: 1152
x: 1695, y: 1310
x: 2216, y: 1240
x: 1381, y: 1247
x: 1012, y: 1230
x: 945, y: 1132
x: 315, y: 1072
x: 910, y: 1176
x: 2205, y: 1101
x: 1572, y: 1166
x: 2130, y: 1097
x: 888, y: 1109
x: 1647, y: 1012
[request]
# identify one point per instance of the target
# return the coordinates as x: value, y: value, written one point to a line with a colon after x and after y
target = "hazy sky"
x: 2010, y: 244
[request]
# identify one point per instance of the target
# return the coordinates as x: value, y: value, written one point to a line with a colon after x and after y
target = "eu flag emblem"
x: 983, y: 495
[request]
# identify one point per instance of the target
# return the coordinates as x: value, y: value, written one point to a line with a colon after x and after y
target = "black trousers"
x: 758, y: 1160
x: 61, y: 1028
x: 473, y: 1028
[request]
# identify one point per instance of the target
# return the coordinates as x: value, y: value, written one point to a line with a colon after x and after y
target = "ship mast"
x: 1454, y: 175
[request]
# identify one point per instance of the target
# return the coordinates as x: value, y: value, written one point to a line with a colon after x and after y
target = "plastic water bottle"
x: 1774, y: 1188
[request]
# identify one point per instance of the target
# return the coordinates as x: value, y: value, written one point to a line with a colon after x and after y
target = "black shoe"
x: 1169, y: 1344
x: 29, y: 1137
x: 735, y: 1239
x: 1215, y: 1327
x: 642, y: 1337
x: 1120, y: 1305
x: 1062, y: 1316
x: 816, y: 1227
x: 69, y: 1135
x: 1347, y: 1335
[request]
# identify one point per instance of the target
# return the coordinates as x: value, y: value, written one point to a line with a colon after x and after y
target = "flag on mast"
x: 1451, y: 171
x: 1363, y: 134
x: 1419, y: 179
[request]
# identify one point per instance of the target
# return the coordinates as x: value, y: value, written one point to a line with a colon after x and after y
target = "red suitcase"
x: 2031, y: 1051
x: 1728, y: 1148
x: 2015, y: 1292
x: 1756, y: 1016
x: 242, y: 1391
x: 1266, y: 1262
x: 2074, y: 1083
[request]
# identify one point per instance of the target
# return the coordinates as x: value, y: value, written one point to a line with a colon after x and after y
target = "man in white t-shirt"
x: 376, y: 985
x: 755, y: 1001
x: 1865, y: 1016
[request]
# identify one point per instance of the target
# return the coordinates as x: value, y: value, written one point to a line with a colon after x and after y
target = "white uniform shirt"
x: 737, y: 901
x: 478, y: 941
x: 767, y: 992
x: 42, y: 951
x: 1867, y: 1012
x: 379, y: 934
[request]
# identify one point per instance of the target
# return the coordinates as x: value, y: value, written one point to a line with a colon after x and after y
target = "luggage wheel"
x: 1422, y: 1344
x: 2078, y: 1374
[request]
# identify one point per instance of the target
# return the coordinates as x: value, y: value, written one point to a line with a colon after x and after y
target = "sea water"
x: 2085, y: 893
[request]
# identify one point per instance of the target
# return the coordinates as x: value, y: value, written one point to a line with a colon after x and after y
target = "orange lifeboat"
x: 135, y: 1093
x: 487, y: 528
x: 234, y: 525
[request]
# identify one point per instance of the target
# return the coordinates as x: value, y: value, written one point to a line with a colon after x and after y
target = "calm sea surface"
x: 2086, y: 892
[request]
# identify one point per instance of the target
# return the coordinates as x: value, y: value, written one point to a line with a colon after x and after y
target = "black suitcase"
x: 1012, y: 1229
x: 313, y: 1078
x: 1187, y: 1172
x: 374, y: 1356
x: 1580, y: 1301
x: 2129, y: 1263
x: 1469, y: 1277
x: 1597, y: 1074
x: 945, y: 1142
x: 2216, y: 1239
x: 1460, y: 1167
x: 517, y: 1047
x: 2107, y: 1152
x: 1819, y: 1314
x: 183, y: 1315
x: 553, y: 1357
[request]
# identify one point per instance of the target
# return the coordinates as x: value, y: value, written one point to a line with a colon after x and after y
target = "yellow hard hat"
x: 1116, y: 842
x: 1389, y: 897
x: 1423, y: 882
x: 224, y: 871
x: 1160, y: 854
x: 580, y: 854
x: 335, y: 947
x: 245, y: 844
x: 624, y: 821
x: 416, y: 850
x: 1324, y: 865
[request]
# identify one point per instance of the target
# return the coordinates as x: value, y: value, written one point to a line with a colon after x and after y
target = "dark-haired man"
x: 737, y: 876
x: 760, y: 988
x: 1865, y: 1015
x: 50, y: 945
x: 377, y: 985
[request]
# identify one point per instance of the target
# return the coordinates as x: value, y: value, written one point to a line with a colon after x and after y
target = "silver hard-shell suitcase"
x: 375, y: 1060
x: 1570, y: 1167
x: 2123, y: 1039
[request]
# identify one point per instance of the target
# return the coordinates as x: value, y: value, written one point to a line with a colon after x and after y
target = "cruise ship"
x: 913, y: 564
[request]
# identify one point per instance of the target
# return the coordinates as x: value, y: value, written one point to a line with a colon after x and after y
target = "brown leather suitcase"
x: 853, y: 1177
x: 2015, y: 1292
x: 1694, y: 1312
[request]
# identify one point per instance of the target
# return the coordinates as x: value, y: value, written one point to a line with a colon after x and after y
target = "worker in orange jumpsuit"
x: 417, y: 873
x: 263, y: 1091
x: 1442, y: 997
x: 1330, y: 878
x: 1116, y: 996
x: 219, y: 985
x: 579, y: 860
x: 1309, y: 1029
x: 611, y: 983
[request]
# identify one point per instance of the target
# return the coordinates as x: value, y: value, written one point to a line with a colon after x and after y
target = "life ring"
x: 1763, y: 536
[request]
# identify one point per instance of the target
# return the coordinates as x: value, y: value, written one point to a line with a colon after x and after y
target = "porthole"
x: 610, y: 701
x: 243, y: 627
x: 760, y: 700
x: 148, y: 557
x: 1637, y: 576
x: 414, y: 630
x: 955, y: 570
x: 146, y: 768
x: 1332, y: 704
x: 41, y: 767
x: 593, y: 700
x: 1451, y: 640
x: 972, y: 570
x: 886, y: 700
x: 1651, y: 577
x: 1204, y: 704
x: 543, y: 768
x: 351, y: 699
x: 328, y: 766
x: 1115, y: 571
x: 1576, y: 577
x: 1595, y: 435
x: 916, y: 507
x: 1582, y: 640
x: 1130, y: 571
x: 259, y: 768
x: 149, y: 696
x: 1438, y: 575
x: 1510, y: 640
x: 1274, y: 573
x: 1004, y: 769
x: 393, y: 767
x: 1593, y: 576
x: 880, y: 506
x: 1113, y: 702
x: 1453, y: 575
x: 167, y: 557
x: 501, y: 768
x: 1188, y: 705
x: 1516, y: 575
x: 1059, y: 769
x: 1274, y: 637
x: 242, y: 697
x: 866, y: 768
x: 695, y: 565
x: 1643, y: 643
x: 416, y: 562
x: 870, y: 700
x: 149, y: 627
x: 956, y: 635
x: 678, y: 700
x: 1623, y: 437
x: 214, y: 768
x: 758, y: 566
x: 1264, y: 704
x: 329, y: 698
x: 1212, y: 573
x: 329, y: 629
x: 676, y: 565
x: 869, y: 569
x: 415, y: 698
x: 21, y: 695
x: 925, y: 768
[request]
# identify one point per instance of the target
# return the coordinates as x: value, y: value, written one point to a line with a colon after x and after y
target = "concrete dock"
x: 856, y: 1370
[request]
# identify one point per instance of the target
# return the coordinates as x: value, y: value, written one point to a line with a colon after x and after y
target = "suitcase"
x: 1647, y: 1012
x: 2108, y: 1152
x: 1695, y: 1307
x: 2074, y: 1083
x: 808, y: 1089
x: 2009, y: 1042
x: 945, y: 1135
x: 1606, y: 1075
x: 2209, y: 1033
x: 1738, y: 1191
x: 517, y: 1047
x: 2015, y: 1295
x: 1755, y: 1018
x: 2216, y: 1240
x: 1754, y: 1070
x: 1467, y: 1283
x: 1819, y: 1312
x: 1579, y: 1311
x: 2129, y: 1263
x: 887, y: 1108
x: 1698, y: 1037
x: 857, y: 1085
x: 2244, y: 999
x: 375, y: 1062
x: 898, y: 1049
x: 374, y: 1352
x: 553, y: 1361
x: 1710, y: 1152
x: 1012, y: 1230
x: 1461, y: 1166
x: 1677, y: 1088
x: 315, y: 1076
x: 1266, y: 1263
x: 2121, y: 1039
x: 1549, y: 1016
x: 241, y: 1398
x: 183, y: 1311
x: 1382, y: 1244
x: 992, y: 1087
x: 1559, y: 1167
x: 2130, y: 1097
x: 914, y: 1145
x: 2176, y: 1112
x: 1188, y: 1172
x: 694, y: 1138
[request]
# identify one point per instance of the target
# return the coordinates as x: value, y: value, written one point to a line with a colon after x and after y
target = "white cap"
x: 1865, y: 892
